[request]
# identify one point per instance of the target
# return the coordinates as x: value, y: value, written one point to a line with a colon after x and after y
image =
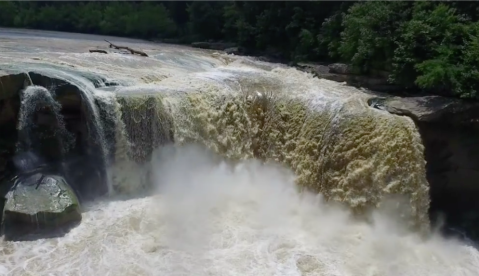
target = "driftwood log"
x: 132, y: 51
x: 98, y: 51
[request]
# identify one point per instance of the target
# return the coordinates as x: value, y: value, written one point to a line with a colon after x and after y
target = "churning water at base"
x: 211, y: 218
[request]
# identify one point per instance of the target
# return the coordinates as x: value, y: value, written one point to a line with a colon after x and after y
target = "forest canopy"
x: 430, y: 47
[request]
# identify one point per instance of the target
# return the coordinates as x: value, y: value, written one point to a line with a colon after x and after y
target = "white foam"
x: 212, y: 219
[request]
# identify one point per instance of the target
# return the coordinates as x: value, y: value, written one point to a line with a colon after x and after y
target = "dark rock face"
x: 450, y: 132
x: 12, y: 83
x: 39, y: 202
x: 342, y: 73
x: 431, y: 109
x: 234, y: 51
x: 220, y: 46
x: 81, y: 164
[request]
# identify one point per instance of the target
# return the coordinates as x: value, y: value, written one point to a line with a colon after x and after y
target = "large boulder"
x: 39, y: 202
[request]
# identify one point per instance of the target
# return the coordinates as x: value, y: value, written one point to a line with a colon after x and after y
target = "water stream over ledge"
x: 205, y: 216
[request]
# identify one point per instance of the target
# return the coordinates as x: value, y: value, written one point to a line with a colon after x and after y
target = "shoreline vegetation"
x: 416, y: 48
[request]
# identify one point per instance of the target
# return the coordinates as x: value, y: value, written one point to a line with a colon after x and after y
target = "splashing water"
x: 34, y: 98
x: 211, y: 218
x: 331, y: 139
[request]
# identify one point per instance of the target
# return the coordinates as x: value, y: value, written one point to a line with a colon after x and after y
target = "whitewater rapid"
x: 232, y: 214
x: 210, y: 218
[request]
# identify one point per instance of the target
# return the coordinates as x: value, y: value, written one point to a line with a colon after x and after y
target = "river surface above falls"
x: 205, y: 217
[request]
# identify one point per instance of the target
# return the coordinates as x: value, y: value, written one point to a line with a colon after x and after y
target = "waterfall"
x: 97, y: 110
x: 347, y: 151
x: 35, y: 99
x: 333, y: 141
x: 276, y: 149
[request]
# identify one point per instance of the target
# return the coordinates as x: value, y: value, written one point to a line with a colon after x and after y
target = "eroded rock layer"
x: 449, y: 130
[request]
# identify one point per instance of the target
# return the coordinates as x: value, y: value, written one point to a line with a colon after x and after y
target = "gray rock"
x: 321, y: 71
x: 220, y: 46
x: 233, y: 51
x: 313, y: 68
x: 339, y: 68
x: 39, y: 202
x: 430, y: 108
x: 344, y: 75
x: 202, y: 45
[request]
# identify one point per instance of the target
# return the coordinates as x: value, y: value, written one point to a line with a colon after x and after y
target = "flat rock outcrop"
x: 430, y: 108
x: 342, y: 73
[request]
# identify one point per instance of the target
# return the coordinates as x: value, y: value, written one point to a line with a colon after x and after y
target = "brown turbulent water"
x: 211, y: 217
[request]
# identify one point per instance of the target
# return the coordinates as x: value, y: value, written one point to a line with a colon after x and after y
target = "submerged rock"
x: 39, y: 202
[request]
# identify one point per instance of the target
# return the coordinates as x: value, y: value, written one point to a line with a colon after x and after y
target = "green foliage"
x: 240, y: 21
x: 306, y: 44
x: 435, y: 44
x: 370, y: 30
x: 134, y: 19
x: 329, y: 38
x: 206, y: 19
x: 427, y: 46
x: 7, y: 14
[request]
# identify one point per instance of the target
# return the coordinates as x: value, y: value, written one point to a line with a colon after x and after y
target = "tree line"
x: 426, y: 47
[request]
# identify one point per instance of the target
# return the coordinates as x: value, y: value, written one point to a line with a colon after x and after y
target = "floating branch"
x: 132, y: 51
x: 98, y: 51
